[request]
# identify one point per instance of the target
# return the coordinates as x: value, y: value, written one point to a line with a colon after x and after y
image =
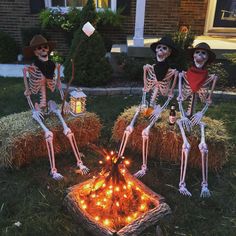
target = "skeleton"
x: 163, y: 88
x: 36, y: 84
x: 191, y: 118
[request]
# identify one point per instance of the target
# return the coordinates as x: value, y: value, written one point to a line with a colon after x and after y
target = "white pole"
x: 139, y: 23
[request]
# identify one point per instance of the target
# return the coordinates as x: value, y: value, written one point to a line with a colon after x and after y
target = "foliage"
x: 56, y: 57
x: 51, y: 18
x: 8, y: 48
x: 70, y: 21
x: 132, y: 67
x: 218, y: 69
x: 183, y: 39
x: 231, y: 57
x: 88, y: 54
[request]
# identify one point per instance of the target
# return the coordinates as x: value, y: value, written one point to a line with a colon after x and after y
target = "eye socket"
x: 42, y: 47
x: 164, y: 48
x: 159, y: 46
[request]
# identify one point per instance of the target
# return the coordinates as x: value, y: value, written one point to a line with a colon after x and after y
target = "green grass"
x: 28, y: 195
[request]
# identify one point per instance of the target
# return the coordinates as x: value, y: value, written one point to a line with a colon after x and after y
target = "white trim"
x: 209, y: 28
x: 48, y: 4
x: 139, y: 23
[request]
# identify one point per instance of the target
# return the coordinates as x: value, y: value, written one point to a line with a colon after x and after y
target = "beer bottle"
x: 172, y: 116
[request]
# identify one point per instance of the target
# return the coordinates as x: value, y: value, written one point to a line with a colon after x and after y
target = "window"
x: 63, y: 4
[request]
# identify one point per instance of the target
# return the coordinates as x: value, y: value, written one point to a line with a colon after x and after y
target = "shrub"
x: 183, y: 39
x: 88, y: 54
x: 8, y: 48
x: 218, y: 69
x: 231, y: 57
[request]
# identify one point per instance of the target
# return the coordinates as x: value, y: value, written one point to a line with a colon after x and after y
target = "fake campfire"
x: 115, y: 202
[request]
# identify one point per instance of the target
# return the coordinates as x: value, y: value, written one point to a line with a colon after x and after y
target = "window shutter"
x: 125, y: 5
x: 36, y: 6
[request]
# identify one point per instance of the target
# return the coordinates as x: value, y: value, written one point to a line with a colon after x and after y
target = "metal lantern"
x: 77, y: 102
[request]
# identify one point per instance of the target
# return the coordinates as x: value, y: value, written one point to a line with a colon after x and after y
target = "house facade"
x: 161, y: 17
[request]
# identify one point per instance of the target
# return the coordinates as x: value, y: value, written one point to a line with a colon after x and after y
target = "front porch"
x: 219, y: 44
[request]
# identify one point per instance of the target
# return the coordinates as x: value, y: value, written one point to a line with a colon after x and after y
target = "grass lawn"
x: 30, y: 196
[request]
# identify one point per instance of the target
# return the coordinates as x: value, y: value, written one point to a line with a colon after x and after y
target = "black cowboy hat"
x: 203, y: 46
x: 35, y: 42
x: 165, y: 41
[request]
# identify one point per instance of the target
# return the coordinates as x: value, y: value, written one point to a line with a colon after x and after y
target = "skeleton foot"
x: 205, y: 191
x: 83, y: 169
x: 141, y: 172
x: 183, y: 190
x: 56, y: 176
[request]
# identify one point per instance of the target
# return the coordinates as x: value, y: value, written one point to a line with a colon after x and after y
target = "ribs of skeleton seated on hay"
x: 166, y: 143
x: 22, y: 139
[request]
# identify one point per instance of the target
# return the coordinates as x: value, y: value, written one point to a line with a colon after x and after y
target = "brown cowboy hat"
x: 35, y: 42
x: 165, y: 41
x: 203, y: 46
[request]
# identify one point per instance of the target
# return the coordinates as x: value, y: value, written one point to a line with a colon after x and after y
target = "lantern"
x: 77, y: 102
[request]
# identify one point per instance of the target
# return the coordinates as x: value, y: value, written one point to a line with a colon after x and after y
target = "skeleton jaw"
x: 200, y: 57
x: 162, y: 52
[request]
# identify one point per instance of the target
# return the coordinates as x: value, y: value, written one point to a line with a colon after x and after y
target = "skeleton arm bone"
x: 196, y: 119
x: 171, y: 93
x: 184, y: 120
x: 27, y: 92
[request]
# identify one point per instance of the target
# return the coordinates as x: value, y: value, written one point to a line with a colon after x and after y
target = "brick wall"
x: 161, y: 17
x: 193, y: 13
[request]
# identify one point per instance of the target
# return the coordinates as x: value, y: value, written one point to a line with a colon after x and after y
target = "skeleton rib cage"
x: 38, y: 84
x: 203, y: 92
x: 158, y: 87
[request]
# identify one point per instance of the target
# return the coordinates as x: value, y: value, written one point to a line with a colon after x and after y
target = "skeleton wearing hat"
x: 37, y: 78
x: 160, y: 80
x: 195, y: 85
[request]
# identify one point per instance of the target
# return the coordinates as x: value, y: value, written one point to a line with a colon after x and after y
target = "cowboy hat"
x: 206, y: 47
x: 165, y: 41
x: 35, y: 42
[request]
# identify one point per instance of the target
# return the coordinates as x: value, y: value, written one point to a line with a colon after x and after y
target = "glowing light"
x: 108, y: 158
x: 100, y: 162
x: 93, y: 195
x: 117, y: 204
x: 129, y: 219
x: 82, y: 201
x: 84, y: 206
x: 125, y: 196
x: 117, y: 189
x: 106, y: 222
x: 124, y: 187
x: 112, y: 153
x: 122, y: 171
x: 98, y: 203
x: 111, y: 186
x: 143, y: 207
x: 127, y: 162
x: 97, y: 218
x: 104, y: 185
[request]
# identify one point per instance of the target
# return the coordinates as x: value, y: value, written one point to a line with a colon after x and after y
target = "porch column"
x: 139, y: 23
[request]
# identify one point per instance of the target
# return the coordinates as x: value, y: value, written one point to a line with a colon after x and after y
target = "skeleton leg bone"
x: 49, y: 142
x: 129, y: 129
x: 184, y: 160
x: 70, y: 135
x: 204, y: 156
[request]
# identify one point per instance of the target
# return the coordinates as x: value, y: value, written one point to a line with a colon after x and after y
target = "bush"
x: 183, y: 39
x: 88, y: 54
x: 218, y: 69
x: 8, y: 48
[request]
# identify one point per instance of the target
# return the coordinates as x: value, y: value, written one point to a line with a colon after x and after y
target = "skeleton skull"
x: 162, y: 52
x: 42, y: 52
x: 200, y: 57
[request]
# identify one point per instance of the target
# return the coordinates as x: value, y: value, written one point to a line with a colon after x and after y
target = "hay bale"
x: 166, y: 142
x: 22, y: 139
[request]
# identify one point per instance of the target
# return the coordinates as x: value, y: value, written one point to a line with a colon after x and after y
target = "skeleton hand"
x: 186, y: 123
x: 196, y: 118
x: 156, y: 113
x: 83, y: 169
x: 37, y: 115
x: 183, y: 190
